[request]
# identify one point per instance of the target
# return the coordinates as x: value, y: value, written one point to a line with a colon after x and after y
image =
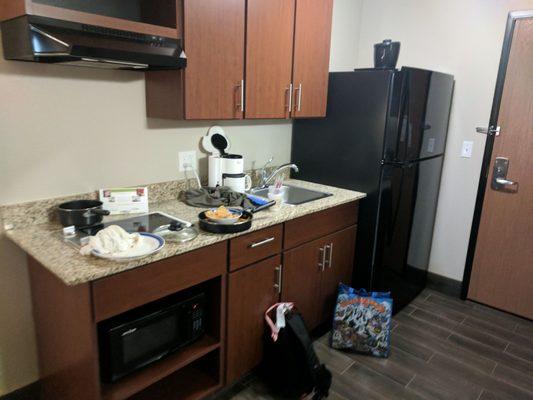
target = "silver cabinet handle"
x: 289, y: 90
x: 277, y: 285
x: 326, y: 258
x: 299, y: 101
x: 330, y: 258
x: 241, y: 104
x: 322, y: 264
x: 262, y: 242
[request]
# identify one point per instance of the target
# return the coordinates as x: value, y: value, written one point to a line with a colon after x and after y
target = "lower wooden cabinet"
x: 251, y: 291
x: 312, y: 272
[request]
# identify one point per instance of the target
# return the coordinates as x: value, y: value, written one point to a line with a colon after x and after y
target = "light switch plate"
x: 466, y: 151
x: 187, y: 158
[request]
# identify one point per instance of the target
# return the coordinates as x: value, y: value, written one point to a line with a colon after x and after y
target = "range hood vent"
x: 47, y: 40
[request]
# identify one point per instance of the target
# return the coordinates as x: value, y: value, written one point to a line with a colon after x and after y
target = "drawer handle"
x: 277, y: 285
x: 262, y: 242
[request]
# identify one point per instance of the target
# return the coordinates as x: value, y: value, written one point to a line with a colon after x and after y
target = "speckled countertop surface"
x: 44, y: 242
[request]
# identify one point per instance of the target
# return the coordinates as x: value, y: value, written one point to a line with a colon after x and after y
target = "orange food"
x: 220, y: 213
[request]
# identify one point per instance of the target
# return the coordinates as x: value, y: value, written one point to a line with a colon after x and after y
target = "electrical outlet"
x: 187, y: 158
x: 466, y: 151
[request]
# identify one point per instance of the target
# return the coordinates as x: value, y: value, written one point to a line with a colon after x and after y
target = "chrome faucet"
x: 265, y: 180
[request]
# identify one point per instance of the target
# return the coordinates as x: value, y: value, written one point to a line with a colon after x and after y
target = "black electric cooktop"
x: 139, y: 223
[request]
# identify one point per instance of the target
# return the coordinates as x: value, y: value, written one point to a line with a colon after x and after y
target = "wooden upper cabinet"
x: 211, y: 86
x: 214, y: 44
x: 312, y: 42
x: 269, y: 49
x: 247, y: 59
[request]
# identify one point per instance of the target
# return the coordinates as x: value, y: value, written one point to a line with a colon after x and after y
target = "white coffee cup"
x: 237, y: 182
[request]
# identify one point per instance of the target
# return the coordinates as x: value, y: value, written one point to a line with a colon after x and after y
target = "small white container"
x: 278, y: 196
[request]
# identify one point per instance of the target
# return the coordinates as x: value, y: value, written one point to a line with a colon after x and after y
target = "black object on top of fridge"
x: 384, y: 134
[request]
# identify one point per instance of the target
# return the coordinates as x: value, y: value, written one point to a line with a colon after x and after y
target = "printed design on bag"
x: 362, y: 324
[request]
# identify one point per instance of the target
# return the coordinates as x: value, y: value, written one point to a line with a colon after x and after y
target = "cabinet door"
x: 214, y: 43
x: 302, y: 274
x: 311, y: 57
x: 251, y: 291
x: 340, y: 248
x: 269, y: 49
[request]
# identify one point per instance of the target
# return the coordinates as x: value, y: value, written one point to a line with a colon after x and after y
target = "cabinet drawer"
x: 313, y: 226
x: 130, y: 289
x: 255, y: 246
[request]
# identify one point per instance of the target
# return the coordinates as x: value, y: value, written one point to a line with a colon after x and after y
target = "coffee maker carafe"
x: 224, y: 169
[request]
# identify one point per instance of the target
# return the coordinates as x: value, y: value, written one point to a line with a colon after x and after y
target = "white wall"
x: 67, y: 130
x: 345, y: 34
x: 464, y: 38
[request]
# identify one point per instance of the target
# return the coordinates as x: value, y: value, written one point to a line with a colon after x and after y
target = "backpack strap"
x: 274, y: 330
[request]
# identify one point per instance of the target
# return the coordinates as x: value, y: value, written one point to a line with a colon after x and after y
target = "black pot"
x: 81, y: 213
x: 386, y: 54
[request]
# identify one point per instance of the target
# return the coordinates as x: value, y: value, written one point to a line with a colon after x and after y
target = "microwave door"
x: 138, y: 343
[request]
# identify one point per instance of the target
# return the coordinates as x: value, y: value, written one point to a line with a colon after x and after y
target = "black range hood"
x: 47, y: 40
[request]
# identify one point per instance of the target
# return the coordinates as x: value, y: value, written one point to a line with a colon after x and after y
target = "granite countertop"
x: 45, y: 243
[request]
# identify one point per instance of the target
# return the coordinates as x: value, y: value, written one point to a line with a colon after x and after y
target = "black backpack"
x: 290, y: 366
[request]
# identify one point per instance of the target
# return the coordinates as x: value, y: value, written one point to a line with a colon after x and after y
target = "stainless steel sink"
x: 294, y: 195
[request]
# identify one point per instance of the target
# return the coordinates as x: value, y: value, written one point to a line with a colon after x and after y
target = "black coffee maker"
x: 386, y: 54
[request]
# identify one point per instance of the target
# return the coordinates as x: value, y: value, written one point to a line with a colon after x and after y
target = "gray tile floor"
x: 442, y: 348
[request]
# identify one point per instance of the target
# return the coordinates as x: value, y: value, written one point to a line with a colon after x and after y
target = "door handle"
x: 322, y: 264
x: 277, y: 285
x: 499, y: 177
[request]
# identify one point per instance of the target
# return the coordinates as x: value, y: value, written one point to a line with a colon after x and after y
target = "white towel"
x: 112, y: 240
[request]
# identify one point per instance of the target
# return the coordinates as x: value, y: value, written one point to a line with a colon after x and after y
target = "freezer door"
x: 345, y: 148
x: 418, y: 123
x: 408, y: 203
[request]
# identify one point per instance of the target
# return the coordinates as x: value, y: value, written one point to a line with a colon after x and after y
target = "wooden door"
x: 502, y: 271
x: 312, y: 42
x: 250, y: 292
x: 214, y: 43
x: 269, y: 49
x: 340, y: 248
x: 302, y: 274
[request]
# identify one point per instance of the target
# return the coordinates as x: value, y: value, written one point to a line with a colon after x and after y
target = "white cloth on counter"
x: 113, y: 240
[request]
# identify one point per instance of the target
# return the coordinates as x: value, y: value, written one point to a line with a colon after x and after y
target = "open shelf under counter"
x: 138, y: 381
x: 196, y: 381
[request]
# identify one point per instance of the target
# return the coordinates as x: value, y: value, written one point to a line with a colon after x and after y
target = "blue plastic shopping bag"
x: 362, y: 321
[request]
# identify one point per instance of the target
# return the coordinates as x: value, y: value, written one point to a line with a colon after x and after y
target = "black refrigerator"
x: 384, y: 134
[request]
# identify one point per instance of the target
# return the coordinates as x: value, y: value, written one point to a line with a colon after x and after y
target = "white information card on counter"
x: 125, y: 200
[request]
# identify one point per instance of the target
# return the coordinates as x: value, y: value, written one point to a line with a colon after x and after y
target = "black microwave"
x: 140, y: 337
